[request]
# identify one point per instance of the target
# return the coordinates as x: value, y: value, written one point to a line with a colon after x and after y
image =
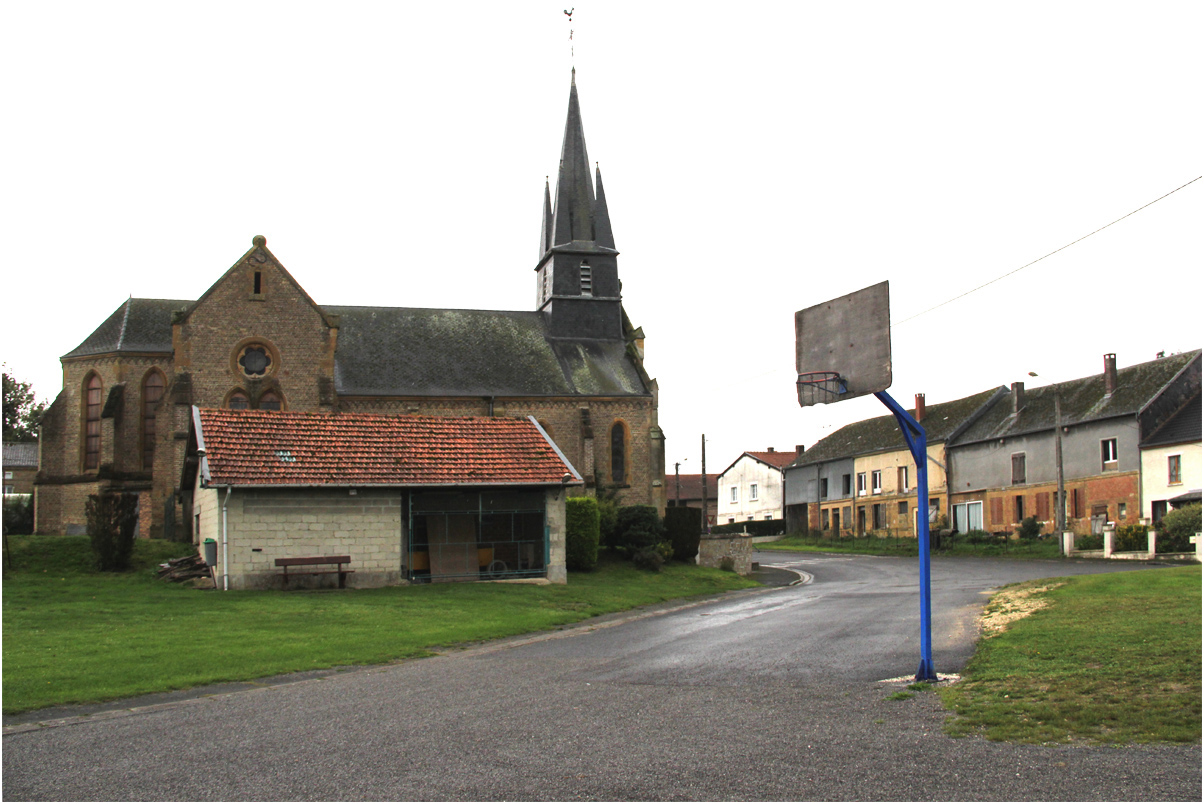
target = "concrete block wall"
x: 267, y: 524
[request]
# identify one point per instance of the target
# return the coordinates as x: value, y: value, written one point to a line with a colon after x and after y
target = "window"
x: 8, y: 489
x: 735, y: 495
x: 997, y: 511
x: 823, y: 488
x: 238, y: 401
x: 1122, y: 512
x: 8, y: 475
x: 967, y: 516
x: 92, y: 394
x: 257, y: 283
x: 269, y: 400
x: 618, y: 453
x: 750, y: 517
x: 1042, y: 500
x: 1019, y: 506
x: 824, y: 519
x: 861, y: 484
x: 1019, y: 469
x: 903, y: 508
x: 1158, y: 510
x: 844, y: 515
x: 879, y: 516
x: 152, y: 392
x: 587, y: 280
x: 903, y: 487
x: 1174, y: 470
x: 1107, y: 449
x: 255, y: 360
x: 769, y: 516
x: 752, y: 491
x: 846, y: 485
x: 544, y: 276
x: 877, y: 478
x: 1076, y: 503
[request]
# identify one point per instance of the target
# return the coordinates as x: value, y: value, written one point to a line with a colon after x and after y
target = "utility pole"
x: 1060, y: 518
x: 677, y: 477
x: 704, y: 483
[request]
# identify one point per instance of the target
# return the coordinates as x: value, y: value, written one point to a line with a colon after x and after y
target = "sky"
x: 758, y: 159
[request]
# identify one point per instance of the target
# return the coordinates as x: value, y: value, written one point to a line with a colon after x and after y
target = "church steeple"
x: 578, y: 275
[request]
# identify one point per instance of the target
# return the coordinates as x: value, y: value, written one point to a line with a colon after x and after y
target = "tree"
x: 21, y: 412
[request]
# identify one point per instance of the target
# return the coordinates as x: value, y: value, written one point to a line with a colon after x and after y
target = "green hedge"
x: 683, y: 526
x: 582, y: 532
x: 754, y: 527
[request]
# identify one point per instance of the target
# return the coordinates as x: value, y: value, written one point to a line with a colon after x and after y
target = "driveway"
x: 770, y: 695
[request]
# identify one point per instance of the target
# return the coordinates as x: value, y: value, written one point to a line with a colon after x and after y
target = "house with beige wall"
x: 752, y: 487
x: 411, y: 499
x: 1170, y: 464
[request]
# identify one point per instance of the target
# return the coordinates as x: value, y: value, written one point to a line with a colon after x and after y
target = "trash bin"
x: 210, y: 552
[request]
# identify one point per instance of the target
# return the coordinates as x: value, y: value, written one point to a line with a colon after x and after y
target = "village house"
x: 1170, y: 464
x: 752, y: 486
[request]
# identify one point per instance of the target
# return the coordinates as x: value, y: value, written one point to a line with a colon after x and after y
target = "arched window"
x: 238, y: 401
x: 618, y: 453
x: 269, y: 400
x: 92, y: 406
x: 152, y: 392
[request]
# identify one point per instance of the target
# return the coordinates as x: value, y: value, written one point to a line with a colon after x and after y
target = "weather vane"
x: 568, y: 12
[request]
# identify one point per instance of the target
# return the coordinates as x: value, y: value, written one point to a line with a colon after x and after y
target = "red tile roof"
x: 775, y: 458
x: 691, y: 487
x: 252, y: 447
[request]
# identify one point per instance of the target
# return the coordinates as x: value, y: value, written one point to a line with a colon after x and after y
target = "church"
x: 256, y: 340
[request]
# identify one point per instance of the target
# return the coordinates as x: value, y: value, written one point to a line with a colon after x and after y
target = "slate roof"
x: 881, y: 433
x: 138, y: 325
x: 17, y: 454
x: 262, y: 448
x: 402, y: 351
x: 1182, y: 428
x: 691, y: 487
x: 1082, y: 400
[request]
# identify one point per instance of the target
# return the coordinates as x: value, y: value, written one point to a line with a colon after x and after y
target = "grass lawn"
x: 73, y: 635
x: 1110, y: 659
x: 908, y: 546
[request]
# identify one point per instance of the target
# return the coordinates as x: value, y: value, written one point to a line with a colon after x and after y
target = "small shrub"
x: 1092, y: 542
x: 639, y: 527
x: 683, y: 526
x: 1029, y: 529
x: 1131, y: 539
x: 1176, y: 529
x: 648, y: 558
x: 582, y: 529
x: 727, y: 564
x: 18, y: 516
x: 112, y: 519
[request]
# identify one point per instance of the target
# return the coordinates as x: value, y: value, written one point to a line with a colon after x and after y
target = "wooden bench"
x: 318, y: 561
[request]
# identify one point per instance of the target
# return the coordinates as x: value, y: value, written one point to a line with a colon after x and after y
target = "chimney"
x: 798, y: 450
x: 919, y: 408
x: 1109, y: 374
x: 770, y: 449
x: 1017, y: 397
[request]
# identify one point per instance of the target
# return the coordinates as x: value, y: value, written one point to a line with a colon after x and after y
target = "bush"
x: 683, y: 526
x: 1093, y: 541
x: 1131, y: 539
x: 1176, y: 529
x: 973, y: 537
x: 581, y: 533
x: 648, y: 558
x: 1029, y: 529
x: 112, y: 519
x: 638, y: 527
x: 18, y: 515
x: 608, y: 517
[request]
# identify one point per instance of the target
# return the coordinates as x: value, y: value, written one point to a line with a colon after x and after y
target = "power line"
x: 1050, y: 254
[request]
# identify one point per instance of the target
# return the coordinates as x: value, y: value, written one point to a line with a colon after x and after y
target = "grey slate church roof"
x: 138, y: 325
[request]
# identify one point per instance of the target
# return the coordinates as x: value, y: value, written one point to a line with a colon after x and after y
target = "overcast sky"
x: 758, y: 159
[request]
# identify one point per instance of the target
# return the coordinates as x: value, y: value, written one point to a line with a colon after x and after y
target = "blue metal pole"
x: 917, y: 443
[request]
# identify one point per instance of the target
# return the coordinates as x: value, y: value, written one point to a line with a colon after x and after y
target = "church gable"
x: 254, y: 336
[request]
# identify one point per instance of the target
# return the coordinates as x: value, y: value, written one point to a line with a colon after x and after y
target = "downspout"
x: 225, y: 543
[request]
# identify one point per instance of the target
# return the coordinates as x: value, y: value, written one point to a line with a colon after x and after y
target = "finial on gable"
x: 259, y: 240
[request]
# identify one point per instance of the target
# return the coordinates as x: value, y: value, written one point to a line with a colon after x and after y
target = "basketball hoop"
x: 820, y: 387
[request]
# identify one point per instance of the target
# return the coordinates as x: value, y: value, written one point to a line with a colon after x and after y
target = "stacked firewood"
x: 183, y: 569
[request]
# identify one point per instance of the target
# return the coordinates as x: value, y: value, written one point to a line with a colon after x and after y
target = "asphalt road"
x: 771, y: 695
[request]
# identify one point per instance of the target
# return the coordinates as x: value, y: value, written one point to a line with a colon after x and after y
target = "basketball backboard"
x: 842, y: 346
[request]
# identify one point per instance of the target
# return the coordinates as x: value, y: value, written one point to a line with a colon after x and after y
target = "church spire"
x: 602, y: 231
x: 545, y: 232
x: 573, y: 218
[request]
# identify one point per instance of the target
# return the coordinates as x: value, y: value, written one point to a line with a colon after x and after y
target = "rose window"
x: 255, y: 360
